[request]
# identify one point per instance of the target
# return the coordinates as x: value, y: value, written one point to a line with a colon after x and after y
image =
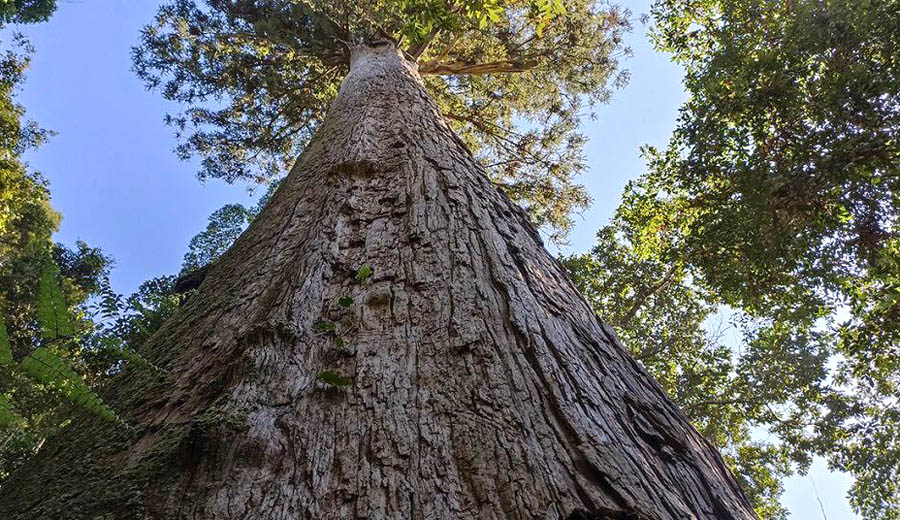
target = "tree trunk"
x: 483, y: 386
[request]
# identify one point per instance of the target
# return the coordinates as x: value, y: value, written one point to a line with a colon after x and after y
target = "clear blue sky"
x: 119, y: 186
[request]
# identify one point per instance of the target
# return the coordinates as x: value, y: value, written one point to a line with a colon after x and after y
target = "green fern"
x: 45, y: 366
x: 5, y: 351
x: 118, y: 348
x: 52, y: 312
x: 8, y: 417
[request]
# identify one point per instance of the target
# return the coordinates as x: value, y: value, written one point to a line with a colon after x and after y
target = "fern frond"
x: 52, y: 312
x: 118, y: 348
x: 46, y: 367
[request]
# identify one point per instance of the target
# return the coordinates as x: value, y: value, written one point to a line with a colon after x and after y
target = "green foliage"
x: 8, y: 417
x: 363, y: 273
x: 27, y: 221
x: 325, y: 326
x: 225, y: 225
x: 50, y: 364
x: 52, y: 311
x: 26, y: 11
x: 333, y: 378
x: 122, y: 326
x: 64, y: 370
x: 345, y: 301
x: 46, y: 367
x: 34, y: 388
x: 778, y: 197
x: 45, y: 363
x: 5, y: 351
x: 511, y: 76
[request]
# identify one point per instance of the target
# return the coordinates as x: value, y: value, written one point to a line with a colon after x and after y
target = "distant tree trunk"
x: 483, y: 384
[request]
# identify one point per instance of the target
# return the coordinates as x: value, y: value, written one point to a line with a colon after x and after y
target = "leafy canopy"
x: 778, y: 194
x: 255, y: 78
x: 26, y: 11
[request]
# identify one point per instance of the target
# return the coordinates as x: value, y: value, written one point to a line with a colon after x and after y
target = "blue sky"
x: 119, y: 186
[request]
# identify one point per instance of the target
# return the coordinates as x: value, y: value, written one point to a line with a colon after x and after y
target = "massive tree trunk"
x: 483, y: 386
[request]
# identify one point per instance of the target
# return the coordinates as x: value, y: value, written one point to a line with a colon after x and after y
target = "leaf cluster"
x: 26, y: 11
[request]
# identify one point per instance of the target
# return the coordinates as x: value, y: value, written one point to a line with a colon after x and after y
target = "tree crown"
x: 256, y: 77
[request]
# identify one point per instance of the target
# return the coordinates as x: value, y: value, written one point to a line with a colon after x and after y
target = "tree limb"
x: 417, y: 49
x: 647, y: 293
x: 494, y: 67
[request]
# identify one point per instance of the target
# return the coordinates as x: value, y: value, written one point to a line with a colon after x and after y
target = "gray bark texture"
x: 483, y: 386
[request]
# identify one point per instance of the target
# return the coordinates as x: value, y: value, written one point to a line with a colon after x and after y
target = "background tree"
x: 778, y: 196
x: 674, y: 328
x: 32, y: 267
x: 225, y: 225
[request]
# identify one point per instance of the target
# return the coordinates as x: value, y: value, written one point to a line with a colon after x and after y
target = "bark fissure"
x: 483, y: 384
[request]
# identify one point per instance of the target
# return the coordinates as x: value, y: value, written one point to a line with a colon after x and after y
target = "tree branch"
x: 641, y: 298
x: 417, y: 49
x: 494, y: 67
x: 506, y: 143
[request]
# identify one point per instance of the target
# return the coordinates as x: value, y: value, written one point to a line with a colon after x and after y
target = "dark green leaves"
x: 778, y: 193
x: 223, y: 228
x: 5, y: 352
x: 345, y: 301
x: 26, y: 11
x: 333, y: 378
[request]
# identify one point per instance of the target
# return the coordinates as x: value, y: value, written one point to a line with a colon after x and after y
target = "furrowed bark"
x: 483, y: 384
